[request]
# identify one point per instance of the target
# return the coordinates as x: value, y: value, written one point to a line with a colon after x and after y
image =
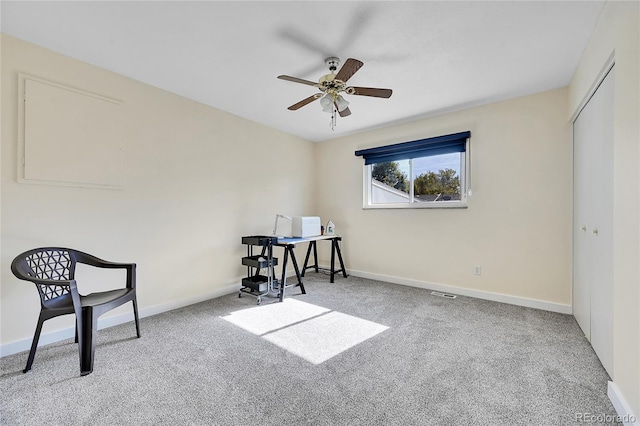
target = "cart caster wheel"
x: 259, y: 300
x: 240, y: 295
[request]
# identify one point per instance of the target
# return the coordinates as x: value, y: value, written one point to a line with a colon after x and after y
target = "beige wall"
x: 197, y: 179
x: 517, y: 226
x: 617, y: 35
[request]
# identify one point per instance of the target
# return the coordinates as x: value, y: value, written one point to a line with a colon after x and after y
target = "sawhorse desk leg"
x: 288, y: 250
x: 312, y: 245
x: 335, y: 248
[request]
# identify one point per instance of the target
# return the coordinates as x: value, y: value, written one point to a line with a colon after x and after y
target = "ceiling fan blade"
x: 297, y: 80
x: 303, y: 102
x: 350, y: 67
x: 345, y: 112
x: 372, y: 91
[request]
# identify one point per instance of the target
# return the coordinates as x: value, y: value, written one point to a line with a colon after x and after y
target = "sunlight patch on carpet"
x: 311, y: 332
x: 325, y: 336
x: 266, y: 318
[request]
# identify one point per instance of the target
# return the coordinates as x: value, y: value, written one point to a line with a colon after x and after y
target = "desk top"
x: 284, y: 241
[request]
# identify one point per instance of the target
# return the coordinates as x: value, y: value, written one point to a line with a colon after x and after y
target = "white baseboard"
x: 627, y: 417
x: 67, y: 333
x: 478, y: 294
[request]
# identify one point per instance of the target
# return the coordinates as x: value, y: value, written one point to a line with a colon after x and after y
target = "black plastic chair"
x: 52, y: 270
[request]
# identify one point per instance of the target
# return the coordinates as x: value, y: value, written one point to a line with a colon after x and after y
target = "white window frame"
x: 453, y: 204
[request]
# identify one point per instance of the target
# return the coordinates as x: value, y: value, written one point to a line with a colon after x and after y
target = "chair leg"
x: 88, y: 345
x: 135, y: 315
x: 34, y: 344
x: 79, y: 330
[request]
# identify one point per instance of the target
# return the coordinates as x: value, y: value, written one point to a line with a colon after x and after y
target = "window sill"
x: 435, y: 205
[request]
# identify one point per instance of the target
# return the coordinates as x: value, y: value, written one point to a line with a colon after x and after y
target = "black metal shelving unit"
x: 260, y: 280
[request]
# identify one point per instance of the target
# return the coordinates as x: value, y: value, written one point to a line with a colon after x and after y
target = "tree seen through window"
x: 430, y: 185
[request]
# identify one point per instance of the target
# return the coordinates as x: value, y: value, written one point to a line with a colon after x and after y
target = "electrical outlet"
x: 477, y: 270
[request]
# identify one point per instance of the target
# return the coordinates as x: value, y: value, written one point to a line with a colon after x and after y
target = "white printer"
x: 305, y: 226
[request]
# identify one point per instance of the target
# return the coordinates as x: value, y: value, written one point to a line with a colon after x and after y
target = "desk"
x: 290, y: 243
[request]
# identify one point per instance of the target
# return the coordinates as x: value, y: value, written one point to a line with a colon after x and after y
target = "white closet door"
x: 582, y: 157
x: 593, y: 221
x: 602, y: 235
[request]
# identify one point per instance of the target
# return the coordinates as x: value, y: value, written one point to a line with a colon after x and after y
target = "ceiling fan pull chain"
x: 333, y: 118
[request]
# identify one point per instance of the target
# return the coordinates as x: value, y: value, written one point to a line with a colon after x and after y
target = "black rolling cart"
x: 259, y: 284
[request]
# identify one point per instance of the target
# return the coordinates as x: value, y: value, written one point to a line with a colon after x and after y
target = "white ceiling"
x: 436, y: 56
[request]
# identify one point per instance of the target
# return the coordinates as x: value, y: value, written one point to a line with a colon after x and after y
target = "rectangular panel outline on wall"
x: 99, y: 166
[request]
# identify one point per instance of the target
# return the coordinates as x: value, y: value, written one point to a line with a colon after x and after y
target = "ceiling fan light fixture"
x: 327, y: 103
x: 341, y: 103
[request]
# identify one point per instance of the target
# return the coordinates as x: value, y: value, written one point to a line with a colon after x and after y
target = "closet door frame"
x: 593, y: 217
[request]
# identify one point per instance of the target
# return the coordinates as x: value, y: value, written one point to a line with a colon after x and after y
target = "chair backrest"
x: 50, y: 263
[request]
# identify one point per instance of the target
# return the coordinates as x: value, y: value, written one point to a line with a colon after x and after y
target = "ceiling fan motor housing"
x: 328, y: 83
x: 333, y: 63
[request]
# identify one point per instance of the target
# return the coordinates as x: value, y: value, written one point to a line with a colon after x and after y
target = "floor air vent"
x: 445, y: 295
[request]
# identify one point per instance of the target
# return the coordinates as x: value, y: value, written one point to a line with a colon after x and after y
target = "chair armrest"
x: 20, y: 270
x: 59, y: 283
x: 91, y: 260
x: 73, y: 288
x: 97, y: 262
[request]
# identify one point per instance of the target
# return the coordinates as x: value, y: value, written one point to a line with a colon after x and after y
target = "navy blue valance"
x: 439, y: 145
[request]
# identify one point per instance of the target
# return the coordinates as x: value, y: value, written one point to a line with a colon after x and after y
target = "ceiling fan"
x: 332, y: 86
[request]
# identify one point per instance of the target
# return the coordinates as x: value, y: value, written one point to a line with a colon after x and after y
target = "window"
x: 427, y: 173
